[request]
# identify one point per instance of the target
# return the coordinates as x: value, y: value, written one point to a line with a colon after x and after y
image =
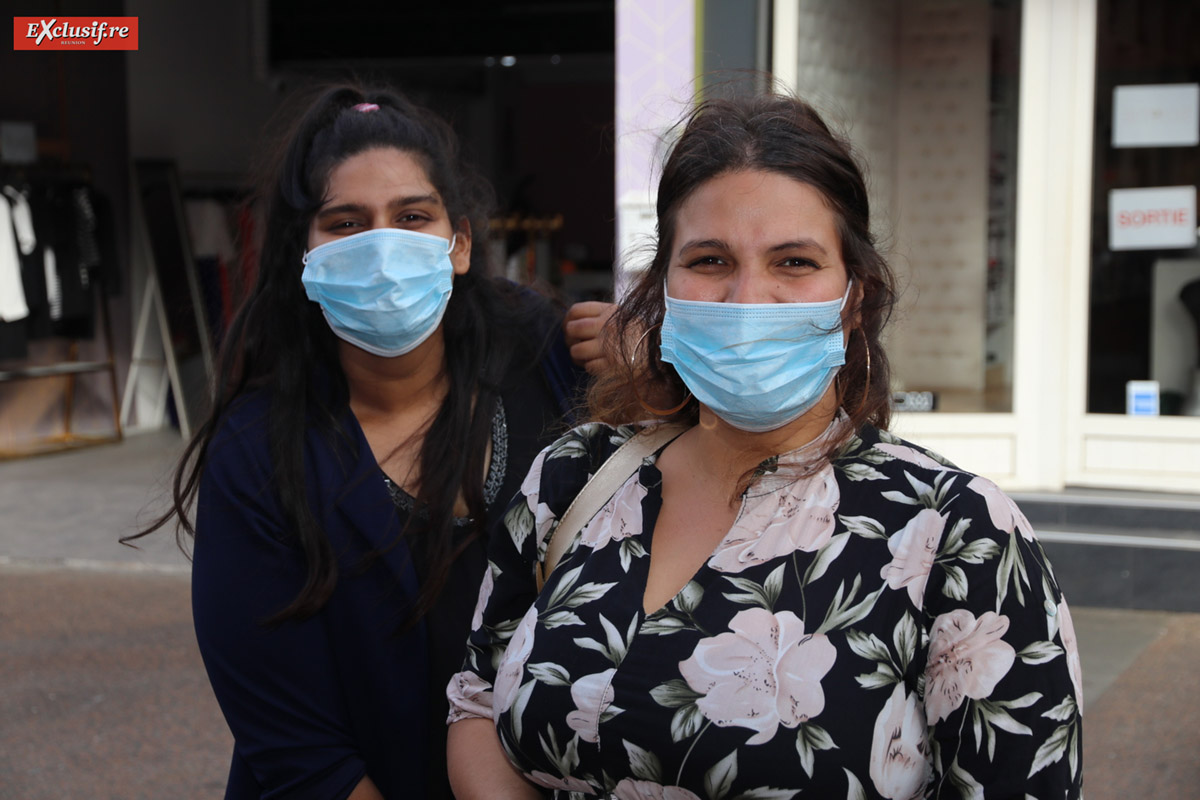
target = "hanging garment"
x: 12, y: 290
x: 22, y: 219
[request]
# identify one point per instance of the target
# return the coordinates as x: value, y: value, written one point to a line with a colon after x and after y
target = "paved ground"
x: 102, y: 694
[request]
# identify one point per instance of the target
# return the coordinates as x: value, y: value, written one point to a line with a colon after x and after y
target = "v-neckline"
x: 648, y: 526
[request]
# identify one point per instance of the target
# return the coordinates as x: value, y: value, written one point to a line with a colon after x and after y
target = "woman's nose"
x: 750, y: 288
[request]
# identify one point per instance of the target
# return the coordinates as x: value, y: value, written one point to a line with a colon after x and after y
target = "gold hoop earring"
x: 867, y: 383
x: 658, y: 412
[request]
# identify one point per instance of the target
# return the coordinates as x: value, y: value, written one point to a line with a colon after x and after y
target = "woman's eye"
x: 706, y: 261
x: 799, y: 262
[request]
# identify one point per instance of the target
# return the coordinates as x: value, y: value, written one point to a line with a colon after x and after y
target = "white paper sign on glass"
x: 1152, y: 218
x: 1161, y: 115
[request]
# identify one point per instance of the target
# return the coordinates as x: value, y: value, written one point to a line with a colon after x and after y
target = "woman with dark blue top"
x: 378, y: 401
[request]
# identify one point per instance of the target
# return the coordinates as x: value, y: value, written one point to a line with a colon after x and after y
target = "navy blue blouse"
x: 315, y: 705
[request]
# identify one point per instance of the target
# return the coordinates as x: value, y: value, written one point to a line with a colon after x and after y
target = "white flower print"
x: 631, y: 789
x: 967, y: 658
x: 532, y: 484
x: 765, y: 672
x: 799, y: 517
x: 543, y: 517
x: 512, y: 663
x: 620, y: 518
x: 470, y: 696
x: 485, y: 594
x: 913, y: 550
x: 592, y: 695
x: 900, y: 768
x: 1005, y: 514
x: 1066, y: 629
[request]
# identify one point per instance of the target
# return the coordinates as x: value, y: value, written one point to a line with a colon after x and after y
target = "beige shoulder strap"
x: 600, y: 489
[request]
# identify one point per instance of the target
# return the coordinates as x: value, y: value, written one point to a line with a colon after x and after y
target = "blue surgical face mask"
x: 758, y: 366
x: 383, y: 290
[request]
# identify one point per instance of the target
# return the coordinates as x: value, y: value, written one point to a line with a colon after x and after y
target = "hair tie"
x: 366, y: 107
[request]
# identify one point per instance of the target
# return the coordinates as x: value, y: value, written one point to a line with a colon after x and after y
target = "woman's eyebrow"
x: 799, y: 244
x: 414, y: 199
x: 703, y: 244
x: 359, y: 208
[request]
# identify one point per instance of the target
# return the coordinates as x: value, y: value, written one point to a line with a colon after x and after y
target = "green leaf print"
x: 955, y: 586
x: 752, y: 593
x: 828, y: 554
x: 587, y: 593
x: 767, y: 793
x: 518, y: 707
x: 616, y: 646
x: 1052, y: 749
x: 1063, y: 711
x: 559, y: 619
x: 519, y: 522
x: 978, y: 551
x: 854, y: 788
x: 858, y: 471
x: 718, y: 780
x: 564, y: 587
x: 689, y: 597
x: 905, y: 636
x: 883, y: 677
x: 844, y: 612
x: 863, y: 526
x: 1040, y: 653
x: 663, y: 625
x: 675, y: 693
x: 642, y: 763
x: 809, y: 739
x: 686, y: 723
x: 550, y: 674
x: 868, y: 646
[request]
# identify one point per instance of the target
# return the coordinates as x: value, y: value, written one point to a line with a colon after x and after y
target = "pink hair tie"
x: 365, y: 107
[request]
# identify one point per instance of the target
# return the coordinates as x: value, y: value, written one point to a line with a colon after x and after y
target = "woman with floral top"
x: 785, y: 600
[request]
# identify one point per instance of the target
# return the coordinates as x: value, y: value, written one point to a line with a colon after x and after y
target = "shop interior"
x: 140, y: 167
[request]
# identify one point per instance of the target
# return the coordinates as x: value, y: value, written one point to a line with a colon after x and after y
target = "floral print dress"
x: 887, y: 627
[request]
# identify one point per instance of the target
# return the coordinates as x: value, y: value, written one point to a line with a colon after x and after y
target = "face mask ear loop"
x: 453, y: 241
x: 633, y: 383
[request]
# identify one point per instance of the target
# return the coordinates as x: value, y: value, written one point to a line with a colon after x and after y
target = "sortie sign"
x: 1152, y: 218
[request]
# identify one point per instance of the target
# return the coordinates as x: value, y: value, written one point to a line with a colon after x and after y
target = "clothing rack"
x: 71, y: 368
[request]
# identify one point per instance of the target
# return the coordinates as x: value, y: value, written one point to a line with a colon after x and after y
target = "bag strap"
x: 600, y: 488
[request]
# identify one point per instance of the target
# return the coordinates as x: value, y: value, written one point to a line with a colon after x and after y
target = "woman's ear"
x: 855, y: 301
x: 460, y: 255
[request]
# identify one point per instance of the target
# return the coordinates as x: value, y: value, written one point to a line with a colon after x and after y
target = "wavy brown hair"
x: 769, y: 133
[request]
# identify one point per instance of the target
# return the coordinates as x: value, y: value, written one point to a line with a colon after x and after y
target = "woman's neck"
x: 396, y: 387
x: 729, y: 453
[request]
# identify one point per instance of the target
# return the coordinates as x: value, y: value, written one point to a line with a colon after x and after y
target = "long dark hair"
x: 279, y: 340
x: 771, y: 133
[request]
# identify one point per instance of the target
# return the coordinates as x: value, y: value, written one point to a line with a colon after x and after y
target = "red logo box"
x: 75, y: 33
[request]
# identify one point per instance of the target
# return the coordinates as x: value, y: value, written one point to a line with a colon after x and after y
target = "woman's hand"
x: 583, y: 326
x: 479, y: 770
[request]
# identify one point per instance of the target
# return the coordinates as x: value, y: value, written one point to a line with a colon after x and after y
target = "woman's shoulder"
x: 590, y: 443
x: 900, y: 471
x: 563, y: 467
x: 878, y: 453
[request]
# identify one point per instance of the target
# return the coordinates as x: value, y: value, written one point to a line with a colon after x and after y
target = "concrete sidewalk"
x: 104, y: 695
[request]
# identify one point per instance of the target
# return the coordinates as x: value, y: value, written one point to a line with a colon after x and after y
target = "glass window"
x: 928, y: 94
x: 1144, y: 302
